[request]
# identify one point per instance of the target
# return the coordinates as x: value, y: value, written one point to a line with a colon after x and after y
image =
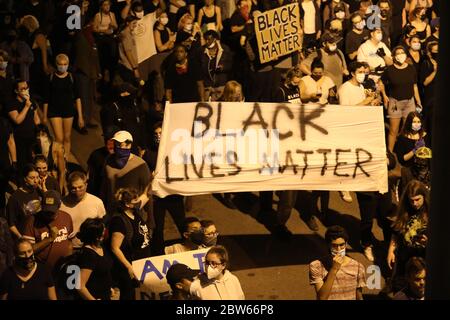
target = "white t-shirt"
x: 351, y: 95
x: 367, y: 52
x: 309, y: 19
x: 228, y: 288
x: 90, y: 207
x: 323, y: 85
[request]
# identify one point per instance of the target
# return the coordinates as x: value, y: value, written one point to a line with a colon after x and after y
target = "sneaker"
x: 368, y: 253
x: 346, y: 196
x: 312, y: 224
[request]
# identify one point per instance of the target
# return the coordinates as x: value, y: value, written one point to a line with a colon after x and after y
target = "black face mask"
x: 46, y: 216
x: 384, y: 13
x: 25, y: 262
x: 316, y: 78
x: 196, y: 237
x: 209, y: 242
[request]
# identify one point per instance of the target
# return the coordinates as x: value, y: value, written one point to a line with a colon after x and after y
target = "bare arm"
x: 219, y: 18
x: 41, y: 41
x: 52, y: 293
x: 431, y: 77
x: 125, y: 10
x: 200, y: 17
x: 116, y: 242
x: 36, y: 118
x: 323, y: 290
x: 169, y: 95
x: 235, y: 29
x: 96, y: 23
x: 12, y: 148
x: 17, y: 117
x: 192, y: 10
x: 83, y: 291
x: 417, y: 95
x: 15, y: 231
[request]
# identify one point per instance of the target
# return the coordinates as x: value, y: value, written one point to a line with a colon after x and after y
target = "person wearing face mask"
x: 428, y: 71
x: 419, y: 20
x: 130, y: 235
x: 48, y: 231
x: 26, y: 279
x: 374, y: 51
x: 94, y: 261
x: 401, y: 79
x: 410, y: 231
x: 132, y: 8
x: 337, y: 276
x: 216, y: 63
x: 414, y: 53
x: 329, y: 11
x: 355, y: 37
x: 210, y: 233
x: 80, y: 204
x: 125, y: 113
x: 23, y: 115
x: 412, y: 137
x: 352, y: 93
x: 192, y: 237
x: 173, y: 204
x: 24, y: 201
x: 123, y: 170
x: 62, y: 103
x: 164, y: 37
x: 332, y: 58
x: 317, y: 88
x: 386, y: 20
x: 217, y: 282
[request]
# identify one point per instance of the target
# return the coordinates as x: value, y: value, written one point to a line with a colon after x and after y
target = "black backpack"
x: 64, y: 276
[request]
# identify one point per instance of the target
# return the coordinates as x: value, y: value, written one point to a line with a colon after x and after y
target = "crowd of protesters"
x: 52, y: 78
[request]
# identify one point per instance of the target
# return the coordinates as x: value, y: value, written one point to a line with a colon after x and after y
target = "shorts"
x: 400, y: 108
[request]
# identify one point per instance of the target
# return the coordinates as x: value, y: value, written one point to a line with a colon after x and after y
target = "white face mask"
x: 213, y: 273
x: 332, y: 47
x: 416, y: 126
x: 164, y: 21
x: 360, y: 77
x: 415, y: 46
x: 26, y: 94
x: 340, y: 15
x: 338, y: 252
x: 212, y: 45
x: 378, y: 36
x: 139, y: 14
x: 188, y: 27
x: 401, y: 58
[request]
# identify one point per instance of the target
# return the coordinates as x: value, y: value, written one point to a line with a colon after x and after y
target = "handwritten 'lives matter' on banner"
x: 237, y: 147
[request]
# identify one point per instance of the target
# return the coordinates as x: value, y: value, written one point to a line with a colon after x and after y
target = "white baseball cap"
x: 122, y: 136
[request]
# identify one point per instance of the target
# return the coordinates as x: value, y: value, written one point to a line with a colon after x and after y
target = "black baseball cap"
x: 178, y: 272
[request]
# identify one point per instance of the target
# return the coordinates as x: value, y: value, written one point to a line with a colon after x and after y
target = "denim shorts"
x: 400, y: 108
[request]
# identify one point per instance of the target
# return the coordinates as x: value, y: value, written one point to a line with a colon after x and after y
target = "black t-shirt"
x: 36, y: 288
x: 401, y: 82
x: 100, y: 281
x: 426, y: 69
x: 5, y: 133
x: 198, y: 5
x: 353, y: 40
x: 61, y: 95
x: 96, y: 164
x: 26, y: 129
x: 137, y: 245
x: 184, y: 85
x: 405, y: 145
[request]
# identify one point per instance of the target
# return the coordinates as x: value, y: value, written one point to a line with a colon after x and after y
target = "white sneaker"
x: 346, y: 196
x: 368, y: 253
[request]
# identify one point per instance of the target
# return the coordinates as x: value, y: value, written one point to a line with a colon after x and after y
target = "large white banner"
x: 152, y: 272
x: 235, y: 147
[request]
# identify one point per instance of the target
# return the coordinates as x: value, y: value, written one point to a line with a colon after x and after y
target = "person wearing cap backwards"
x: 123, y: 170
x: 374, y: 51
x: 332, y: 58
x: 180, y: 277
x: 48, y: 231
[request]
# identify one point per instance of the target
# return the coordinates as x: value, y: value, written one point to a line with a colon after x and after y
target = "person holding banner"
x: 217, y: 283
x: 130, y: 239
